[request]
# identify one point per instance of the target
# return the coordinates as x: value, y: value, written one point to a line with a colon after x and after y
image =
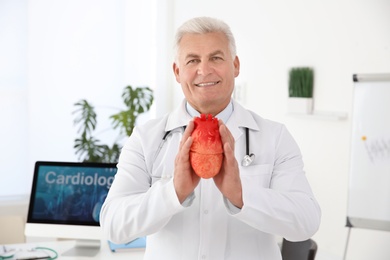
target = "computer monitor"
x: 65, y: 202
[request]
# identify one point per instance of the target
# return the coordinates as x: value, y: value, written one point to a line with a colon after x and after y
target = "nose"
x: 204, y: 68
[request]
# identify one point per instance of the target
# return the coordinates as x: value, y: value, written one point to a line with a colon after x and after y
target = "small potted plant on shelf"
x: 300, y: 87
x: 89, y: 148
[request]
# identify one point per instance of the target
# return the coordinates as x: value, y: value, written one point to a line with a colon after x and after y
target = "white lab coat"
x: 277, y: 197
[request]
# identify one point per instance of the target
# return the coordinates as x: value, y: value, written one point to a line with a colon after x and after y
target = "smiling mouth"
x: 207, y: 84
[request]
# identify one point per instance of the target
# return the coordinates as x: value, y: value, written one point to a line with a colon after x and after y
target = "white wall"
x: 13, y: 94
x: 92, y: 49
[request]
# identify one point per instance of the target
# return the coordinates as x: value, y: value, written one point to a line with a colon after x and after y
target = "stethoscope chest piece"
x: 248, y: 159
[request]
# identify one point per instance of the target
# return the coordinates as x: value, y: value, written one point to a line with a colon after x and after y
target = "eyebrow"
x: 216, y: 53
x: 193, y: 55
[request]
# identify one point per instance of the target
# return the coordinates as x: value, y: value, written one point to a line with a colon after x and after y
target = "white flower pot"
x: 300, y: 105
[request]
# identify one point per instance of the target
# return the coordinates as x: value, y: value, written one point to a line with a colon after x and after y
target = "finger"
x: 189, y: 128
x: 182, y: 160
x: 228, y: 152
x: 187, y: 132
x: 184, y: 151
x: 226, y: 136
x: 187, y: 146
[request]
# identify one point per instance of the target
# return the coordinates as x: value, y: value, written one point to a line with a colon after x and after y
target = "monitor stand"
x: 84, y: 247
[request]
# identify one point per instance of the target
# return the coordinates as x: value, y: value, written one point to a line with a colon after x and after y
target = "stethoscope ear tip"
x: 247, y: 160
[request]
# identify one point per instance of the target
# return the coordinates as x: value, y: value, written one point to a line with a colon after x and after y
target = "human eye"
x: 216, y: 58
x: 192, y: 61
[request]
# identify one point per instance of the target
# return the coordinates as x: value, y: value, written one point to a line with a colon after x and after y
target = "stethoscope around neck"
x: 246, y: 161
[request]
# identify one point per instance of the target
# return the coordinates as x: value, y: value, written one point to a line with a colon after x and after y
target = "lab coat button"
x: 203, y: 256
x: 205, y: 211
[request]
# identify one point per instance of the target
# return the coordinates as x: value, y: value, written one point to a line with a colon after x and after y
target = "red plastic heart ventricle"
x: 206, y: 150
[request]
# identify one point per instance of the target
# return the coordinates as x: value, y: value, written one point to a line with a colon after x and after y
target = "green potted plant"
x: 89, y: 148
x: 300, y: 89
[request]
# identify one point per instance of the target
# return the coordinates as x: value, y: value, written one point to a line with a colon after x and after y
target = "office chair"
x: 303, y: 250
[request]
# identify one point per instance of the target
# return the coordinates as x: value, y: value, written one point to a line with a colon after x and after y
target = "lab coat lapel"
x: 240, y: 119
x: 178, y: 118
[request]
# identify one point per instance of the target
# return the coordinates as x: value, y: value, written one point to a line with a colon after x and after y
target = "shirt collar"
x: 224, y: 115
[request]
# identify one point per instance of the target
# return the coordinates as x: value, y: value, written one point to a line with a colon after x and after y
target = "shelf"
x: 324, y: 115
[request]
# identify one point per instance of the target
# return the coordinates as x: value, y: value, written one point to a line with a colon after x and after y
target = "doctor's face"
x: 206, y: 71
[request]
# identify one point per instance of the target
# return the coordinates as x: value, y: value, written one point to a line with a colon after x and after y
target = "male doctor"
x: 236, y: 214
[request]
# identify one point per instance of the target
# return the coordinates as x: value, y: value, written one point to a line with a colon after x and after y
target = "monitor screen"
x: 66, y: 198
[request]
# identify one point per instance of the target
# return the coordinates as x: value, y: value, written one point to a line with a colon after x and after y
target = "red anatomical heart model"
x: 206, y: 150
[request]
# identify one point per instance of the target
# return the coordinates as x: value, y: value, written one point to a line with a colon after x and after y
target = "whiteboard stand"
x: 347, y: 243
x: 349, y: 225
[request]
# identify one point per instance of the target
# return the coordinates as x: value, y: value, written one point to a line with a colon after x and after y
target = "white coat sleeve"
x: 133, y: 208
x: 284, y: 204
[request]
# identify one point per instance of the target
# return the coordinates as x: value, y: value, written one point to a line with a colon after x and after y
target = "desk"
x: 64, y: 245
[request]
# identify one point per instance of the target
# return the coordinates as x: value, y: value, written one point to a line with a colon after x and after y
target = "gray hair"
x: 203, y: 25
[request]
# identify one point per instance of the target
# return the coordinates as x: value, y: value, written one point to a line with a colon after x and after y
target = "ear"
x: 236, y: 64
x: 176, y: 71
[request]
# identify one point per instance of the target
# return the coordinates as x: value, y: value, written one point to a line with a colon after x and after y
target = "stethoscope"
x: 246, y: 161
x: 249, y: 157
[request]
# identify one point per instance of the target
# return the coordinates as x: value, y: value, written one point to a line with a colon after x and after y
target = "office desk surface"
x: 64, y: 245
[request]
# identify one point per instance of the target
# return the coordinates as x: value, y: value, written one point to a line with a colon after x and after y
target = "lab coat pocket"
x: 155, y: 178
x: 162, y: 173
x: 257, y: 174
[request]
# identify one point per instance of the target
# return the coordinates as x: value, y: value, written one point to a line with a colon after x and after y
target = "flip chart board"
x: 369, y: 176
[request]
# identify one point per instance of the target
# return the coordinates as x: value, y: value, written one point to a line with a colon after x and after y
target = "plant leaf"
x: 138, y: 100
x: 85, y: 117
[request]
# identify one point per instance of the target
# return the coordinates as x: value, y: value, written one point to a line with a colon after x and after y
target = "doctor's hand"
x: 228, y: 180
x: 185, y: 180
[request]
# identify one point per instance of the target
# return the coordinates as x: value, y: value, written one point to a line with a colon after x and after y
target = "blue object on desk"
x: 136, y: 243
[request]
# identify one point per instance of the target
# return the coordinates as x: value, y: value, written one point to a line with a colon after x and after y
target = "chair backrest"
x: 303, y: 250
x: 12, y: 230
